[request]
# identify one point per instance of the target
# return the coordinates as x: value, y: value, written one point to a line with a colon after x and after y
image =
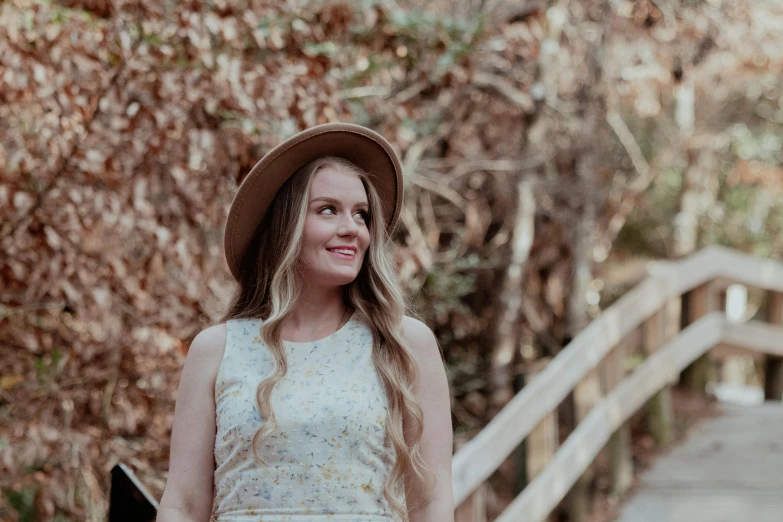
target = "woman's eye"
x: 362, y: 213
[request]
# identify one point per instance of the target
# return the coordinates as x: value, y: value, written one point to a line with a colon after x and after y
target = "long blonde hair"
x: 270, y: 284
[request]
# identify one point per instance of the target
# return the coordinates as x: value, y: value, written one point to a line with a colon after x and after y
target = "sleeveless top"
x: 327, y: 461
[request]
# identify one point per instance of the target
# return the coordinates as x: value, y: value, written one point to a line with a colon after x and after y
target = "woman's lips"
x: 341, y: 255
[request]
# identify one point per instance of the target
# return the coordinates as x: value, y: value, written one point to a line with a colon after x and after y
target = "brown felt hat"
x: 367, y: 149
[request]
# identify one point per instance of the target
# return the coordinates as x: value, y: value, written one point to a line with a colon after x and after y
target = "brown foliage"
x: 126, y: 126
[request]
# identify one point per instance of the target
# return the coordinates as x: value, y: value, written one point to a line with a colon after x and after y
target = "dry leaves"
x: 125, y: 127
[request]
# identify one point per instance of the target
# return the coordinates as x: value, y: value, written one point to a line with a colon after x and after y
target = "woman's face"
x: 336, y: 217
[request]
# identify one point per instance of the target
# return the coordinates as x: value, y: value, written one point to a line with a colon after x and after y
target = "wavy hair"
x: 268, y: 288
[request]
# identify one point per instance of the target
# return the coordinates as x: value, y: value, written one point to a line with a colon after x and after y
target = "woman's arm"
x: 189, y: 489
x: 431, y: 501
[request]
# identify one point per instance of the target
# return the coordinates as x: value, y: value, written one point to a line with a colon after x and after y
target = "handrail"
x: 580, y: 448
x: 480, y: 457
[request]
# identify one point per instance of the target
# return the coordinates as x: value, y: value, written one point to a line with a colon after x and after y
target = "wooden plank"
x: 723, y: 472
x: 739, y: 268
x: 484, y: 453
x: 581, y: 447
x: 773, y: 366
x: 761, y: 337
x: 728, y: 351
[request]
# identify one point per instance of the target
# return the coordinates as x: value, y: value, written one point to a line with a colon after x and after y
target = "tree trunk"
x: 578, y: 317
x: 697, y: 196
x: 579, y: 499
x: 510, y: 298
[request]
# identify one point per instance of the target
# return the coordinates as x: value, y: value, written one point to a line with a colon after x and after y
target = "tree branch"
x: 511, y: 93
x: 643, y: 179
x: 631, y: 146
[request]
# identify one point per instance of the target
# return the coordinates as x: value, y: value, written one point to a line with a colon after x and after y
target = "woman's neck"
x: 315, y: 316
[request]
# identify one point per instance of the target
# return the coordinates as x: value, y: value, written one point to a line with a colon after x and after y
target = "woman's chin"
x: 334, y: 278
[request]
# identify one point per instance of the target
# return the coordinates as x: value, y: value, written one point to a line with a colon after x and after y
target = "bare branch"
x: 631, y: 146
x: 643, y: 179
x: 511, y: 93
x: 366, y: 91
x: 461, y: 167
x: 442, y: 190
x: 409, y: 92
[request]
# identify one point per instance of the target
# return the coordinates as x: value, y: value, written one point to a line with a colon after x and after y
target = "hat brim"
x: 363, y: 147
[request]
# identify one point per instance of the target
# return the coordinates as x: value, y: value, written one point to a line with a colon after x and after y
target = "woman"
x: 314, y: 398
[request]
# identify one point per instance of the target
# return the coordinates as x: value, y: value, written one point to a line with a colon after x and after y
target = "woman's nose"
x: 348, y: 225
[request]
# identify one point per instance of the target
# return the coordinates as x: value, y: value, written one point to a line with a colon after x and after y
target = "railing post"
x: 696, y: 304
x: 586, y: 395
x: 541, y: 445
x: 773, y: 366
x: 659, y: 329
x: 473, y: 508
x: 542, y: 442
x: 620, y: 460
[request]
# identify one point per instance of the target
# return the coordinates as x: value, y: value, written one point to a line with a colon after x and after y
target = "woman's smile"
x: 343, y: 254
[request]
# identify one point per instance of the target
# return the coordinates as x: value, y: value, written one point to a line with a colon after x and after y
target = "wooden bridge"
x: 729, y: 470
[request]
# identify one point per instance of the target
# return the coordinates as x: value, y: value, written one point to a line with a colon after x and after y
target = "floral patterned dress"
x: 327, y: 461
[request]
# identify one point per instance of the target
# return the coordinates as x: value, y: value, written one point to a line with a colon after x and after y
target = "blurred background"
x: 551, y: 149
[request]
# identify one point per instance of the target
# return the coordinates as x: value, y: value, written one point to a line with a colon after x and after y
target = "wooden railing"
x: 686, y: 292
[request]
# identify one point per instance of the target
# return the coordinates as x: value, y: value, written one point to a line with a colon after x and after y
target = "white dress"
x: 327, y: 461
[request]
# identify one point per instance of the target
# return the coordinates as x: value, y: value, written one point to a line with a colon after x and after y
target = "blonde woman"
x: 315, y: 397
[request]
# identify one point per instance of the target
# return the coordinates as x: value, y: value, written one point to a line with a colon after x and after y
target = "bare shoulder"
x: 207, y: 348
x: 210, y: 336
x: 421, y: 339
